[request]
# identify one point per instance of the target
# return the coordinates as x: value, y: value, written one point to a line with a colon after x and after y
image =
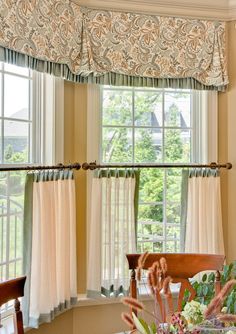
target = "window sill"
x: 83, y: 301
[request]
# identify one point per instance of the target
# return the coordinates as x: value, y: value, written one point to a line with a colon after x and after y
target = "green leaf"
x: 211, y: 277
x: 139, y: 325
x: 199, y: 290
x: 226, y: 272
x: 204, y: 277
x: 145, y: 325
x: 205, y: 290
x: 153, y: 328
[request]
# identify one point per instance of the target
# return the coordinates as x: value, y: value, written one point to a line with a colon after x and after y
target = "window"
x: 27, y: 102
x: 154, y: 126
x: 16, y: 147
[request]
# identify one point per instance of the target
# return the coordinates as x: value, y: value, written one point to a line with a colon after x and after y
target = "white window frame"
x: 205, y: 141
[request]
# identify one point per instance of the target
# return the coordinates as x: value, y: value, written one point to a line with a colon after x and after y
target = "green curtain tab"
x: 99, y: 173
x: 204, y: 172
x: 90, y: 46
x: 53, y: 175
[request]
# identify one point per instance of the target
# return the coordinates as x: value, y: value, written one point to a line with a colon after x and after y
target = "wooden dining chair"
x: 14, y: 289
x: 181, y: 267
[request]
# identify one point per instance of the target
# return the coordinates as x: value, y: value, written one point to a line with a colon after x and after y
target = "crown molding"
x: 209, y: 9
x: 232, y: 10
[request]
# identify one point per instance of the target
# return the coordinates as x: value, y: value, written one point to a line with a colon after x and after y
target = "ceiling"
x: 208, y: 9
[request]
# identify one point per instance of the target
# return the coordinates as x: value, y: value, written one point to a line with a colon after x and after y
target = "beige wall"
x: 75, y: 151
x: 96, y: 319
x: 227, y: 127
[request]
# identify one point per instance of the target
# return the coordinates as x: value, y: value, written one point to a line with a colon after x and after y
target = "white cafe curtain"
x: 111, y: 233
x: 204, y: 232
x: 50, y: 233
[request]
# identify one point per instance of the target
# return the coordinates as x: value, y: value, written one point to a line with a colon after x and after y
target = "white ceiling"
x: 208, y: 9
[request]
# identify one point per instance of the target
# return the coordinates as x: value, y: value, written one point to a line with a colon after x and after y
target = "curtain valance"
x: 108, y: 47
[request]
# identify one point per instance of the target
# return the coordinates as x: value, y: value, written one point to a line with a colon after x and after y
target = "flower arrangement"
x: 194, y: 319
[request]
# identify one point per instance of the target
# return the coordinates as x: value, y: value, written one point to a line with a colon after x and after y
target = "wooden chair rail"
x: 181, y: 267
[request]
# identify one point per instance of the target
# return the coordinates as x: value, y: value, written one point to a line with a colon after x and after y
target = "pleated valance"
x: 109, y: 47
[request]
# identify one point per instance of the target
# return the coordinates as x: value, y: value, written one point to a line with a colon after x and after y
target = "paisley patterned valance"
x: 108, y: 47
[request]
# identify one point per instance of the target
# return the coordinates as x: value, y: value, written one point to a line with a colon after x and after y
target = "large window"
x: 20, y: 130
x: 152, y: 126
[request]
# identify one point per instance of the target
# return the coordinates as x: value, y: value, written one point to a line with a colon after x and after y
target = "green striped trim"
x: 53, y: 175
x: 204, y: 172
x: 111, y: 78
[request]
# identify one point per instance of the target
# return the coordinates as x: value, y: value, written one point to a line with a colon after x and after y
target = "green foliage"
x: 143, y: 327
x: 205, y: 290
x: 13, y: 184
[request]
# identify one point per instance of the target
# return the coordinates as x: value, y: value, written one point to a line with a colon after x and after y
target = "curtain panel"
x: 204, y: 231
x: 109, y: 47
x: 111, y: 231
x: 49, y: 259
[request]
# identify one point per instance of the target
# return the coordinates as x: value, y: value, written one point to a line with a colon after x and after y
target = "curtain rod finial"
x: 229, y: 165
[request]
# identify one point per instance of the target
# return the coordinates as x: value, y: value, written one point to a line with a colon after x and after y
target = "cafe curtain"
x: 111, y: 231
x: 204, y: 232
x: 110, y: 47
x: 49, y: 245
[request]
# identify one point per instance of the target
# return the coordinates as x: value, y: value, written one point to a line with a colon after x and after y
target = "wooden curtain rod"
x: 75, y: 165
x: 212, y: 165
x: 94, y: 165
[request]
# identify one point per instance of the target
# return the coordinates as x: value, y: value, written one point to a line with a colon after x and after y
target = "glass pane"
x: 148, y: 109
x: 3, y: 231
x: 117, y: 145
x: 150, y: 231
x: 18, y: 268
x: 173, y: 232
x: 12, y: 270
x: 15, y: 141
x: 145, y: 247
x: 16, y: 69
x: 3, y: 272
x: 151, y: 185
x: 12, y: 236
x: 173, y: 185
x: 173, y: 212
x: 16, y: 187
x: 16, y: 97
x: 172, y: 246
x: 148, y: 145
x: 177, y: 145
x: 157, y: 247
x: 150, y: 213
x: 178, y: 109
x: 117, y: 107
